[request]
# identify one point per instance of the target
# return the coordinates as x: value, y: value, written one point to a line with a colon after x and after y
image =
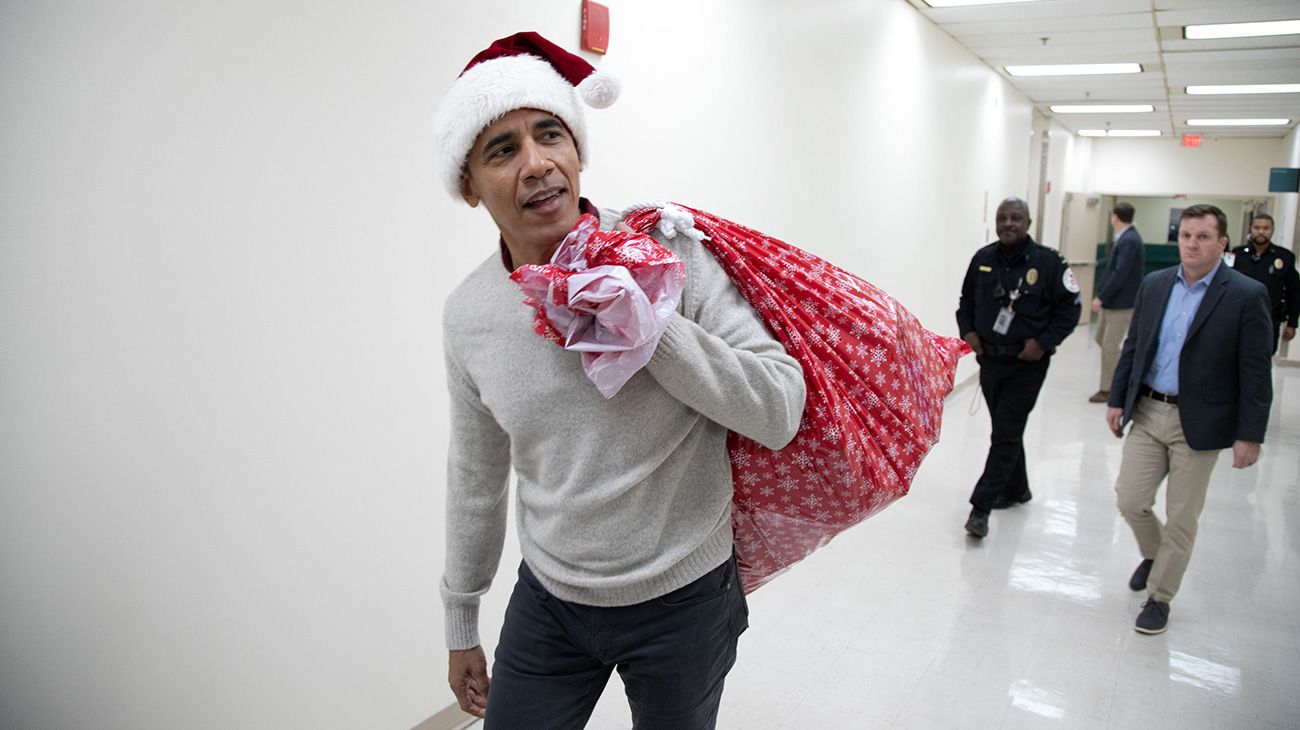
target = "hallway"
x: 904, y: 622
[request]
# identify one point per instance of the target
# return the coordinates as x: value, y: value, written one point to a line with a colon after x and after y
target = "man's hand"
x: 1114, y: 416
x: 973, y: 340
x: 1244, y: 454
x: 467, y: 675
x: 1033, y: 352
x: 1288, y: 332
x: 1096, y: 304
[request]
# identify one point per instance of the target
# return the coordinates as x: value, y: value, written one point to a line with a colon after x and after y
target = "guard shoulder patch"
x: 1069, y: 282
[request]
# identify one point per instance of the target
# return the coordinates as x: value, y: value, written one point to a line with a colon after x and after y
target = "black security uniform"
x: 1035, y: 282
x: 1275, y: 269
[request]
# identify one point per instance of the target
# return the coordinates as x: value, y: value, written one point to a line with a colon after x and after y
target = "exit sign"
x: 1191, y: 140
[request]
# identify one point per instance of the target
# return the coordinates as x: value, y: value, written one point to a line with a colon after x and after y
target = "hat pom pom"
x: 600, y: 89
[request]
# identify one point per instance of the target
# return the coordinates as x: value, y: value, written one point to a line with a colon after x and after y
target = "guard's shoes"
x: 978, y: 523
x: 1139, y: 580
x: 1100, y: 396
x: 1004, y: 502
x: 1154, y: 617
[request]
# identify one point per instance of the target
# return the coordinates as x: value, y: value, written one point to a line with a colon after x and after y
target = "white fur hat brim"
x: 490, y: 90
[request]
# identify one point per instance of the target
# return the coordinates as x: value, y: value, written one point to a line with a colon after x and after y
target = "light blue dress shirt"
x: 1179, y: 313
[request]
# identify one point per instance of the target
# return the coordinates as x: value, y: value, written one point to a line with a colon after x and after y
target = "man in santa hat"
x: 623, y: 505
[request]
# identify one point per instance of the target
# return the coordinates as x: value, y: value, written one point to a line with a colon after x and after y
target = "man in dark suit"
x: 1116, y: 292
x: 1193, y: 378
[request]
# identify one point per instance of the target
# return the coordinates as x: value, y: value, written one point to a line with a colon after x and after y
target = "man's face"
x: 524, y: 167
x: 1012, y: 222
x: 1115, y: 222
x: 1199, y: 244
x: 1261, y: 231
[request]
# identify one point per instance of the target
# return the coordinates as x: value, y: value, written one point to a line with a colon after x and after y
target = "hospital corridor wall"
x: 223, y: 261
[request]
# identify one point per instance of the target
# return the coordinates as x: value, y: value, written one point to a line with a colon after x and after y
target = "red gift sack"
x: 876, y: 383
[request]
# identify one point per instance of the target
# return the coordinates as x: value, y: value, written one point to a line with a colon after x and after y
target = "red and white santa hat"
x: 522, y: 71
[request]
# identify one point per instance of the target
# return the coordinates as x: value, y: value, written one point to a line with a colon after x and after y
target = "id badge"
x: 1003, y: 322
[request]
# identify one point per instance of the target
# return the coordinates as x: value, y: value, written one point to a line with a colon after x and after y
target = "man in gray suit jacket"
x: 1193, y: 378
x: 1116, y: 292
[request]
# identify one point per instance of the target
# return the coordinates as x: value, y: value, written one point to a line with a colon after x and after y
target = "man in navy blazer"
x: 1193, y: 379
x: 1116, y: 291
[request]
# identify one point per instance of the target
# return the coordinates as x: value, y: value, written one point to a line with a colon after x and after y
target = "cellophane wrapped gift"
x: 606, y: 294
x: 876, y: 383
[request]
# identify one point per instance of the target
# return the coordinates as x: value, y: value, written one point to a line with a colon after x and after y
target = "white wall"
x: 1163, y: 167
x: 1287, y: 228
x: 222, y: 261
x: 1068, y: 158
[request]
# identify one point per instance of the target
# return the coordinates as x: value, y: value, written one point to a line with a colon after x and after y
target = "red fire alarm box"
x: 595, y: 27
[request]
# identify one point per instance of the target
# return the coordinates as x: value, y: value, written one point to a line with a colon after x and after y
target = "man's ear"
x: 467, y: 190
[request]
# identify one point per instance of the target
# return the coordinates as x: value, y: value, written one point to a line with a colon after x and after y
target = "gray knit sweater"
x: 617, y: 501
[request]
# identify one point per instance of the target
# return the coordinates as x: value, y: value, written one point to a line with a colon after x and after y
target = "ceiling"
x: 1149, y: 32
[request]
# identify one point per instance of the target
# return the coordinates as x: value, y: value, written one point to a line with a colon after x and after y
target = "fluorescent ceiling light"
x: 1238, y: 122
x: 1245, y: 89
x: 1075, y: 69
x: 1119, y: 132
x: 1241, y: 30
x: 1101, y: 108
x: 964, y: 3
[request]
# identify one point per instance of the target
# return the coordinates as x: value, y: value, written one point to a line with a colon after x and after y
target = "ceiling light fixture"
x: 1101, y: 108
x: 1075, y: 69
x: 1241, y: 30
x: 964, y: 3
x: 1245, y: 89
x: 1238, y: 122
x: 1119, y: 132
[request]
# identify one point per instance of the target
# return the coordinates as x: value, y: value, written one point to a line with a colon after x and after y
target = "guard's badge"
x: 1069, y: 282
x: 1277, y: 264
x: 1031, y: 277
x: 986, y: 268
x: 1230, y: 258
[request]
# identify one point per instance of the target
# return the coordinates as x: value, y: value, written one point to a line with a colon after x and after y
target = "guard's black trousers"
x: 673, y: 653
x: 1010, y: 389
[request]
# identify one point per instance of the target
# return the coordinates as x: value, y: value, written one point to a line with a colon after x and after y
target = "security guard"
x: 1274, y: 267
x: 1018, y: 301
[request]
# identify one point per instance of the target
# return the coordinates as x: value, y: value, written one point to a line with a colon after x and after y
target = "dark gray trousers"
x: 672, y: 653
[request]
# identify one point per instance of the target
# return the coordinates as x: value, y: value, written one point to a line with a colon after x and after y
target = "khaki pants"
x: 1155, y: 447
x: 1112, y: 325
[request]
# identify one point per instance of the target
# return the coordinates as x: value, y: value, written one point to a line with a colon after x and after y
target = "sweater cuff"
x: 462, y: 627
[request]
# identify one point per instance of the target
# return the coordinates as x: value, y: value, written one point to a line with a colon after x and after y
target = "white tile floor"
x: 904, y: 622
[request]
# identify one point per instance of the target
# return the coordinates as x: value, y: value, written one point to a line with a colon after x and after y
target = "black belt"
x: 1003, y: 350
x: 1157, y: 395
